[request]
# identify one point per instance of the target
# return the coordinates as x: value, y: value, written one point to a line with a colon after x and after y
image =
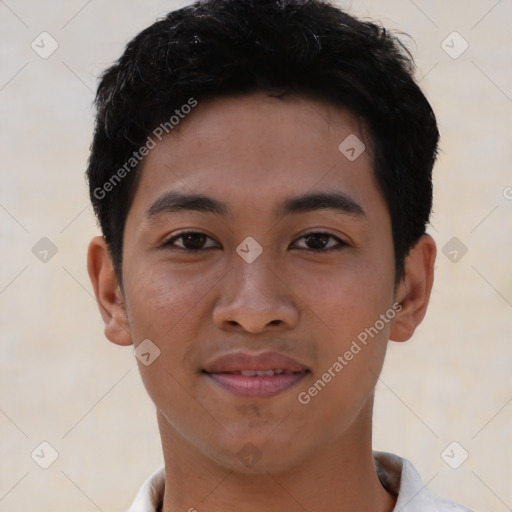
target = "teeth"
x: 263, y: 373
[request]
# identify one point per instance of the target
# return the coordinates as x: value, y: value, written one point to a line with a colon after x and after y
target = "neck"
x: 342, y: 477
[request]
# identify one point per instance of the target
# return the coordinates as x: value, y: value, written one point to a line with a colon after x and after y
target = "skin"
x: 252, y: 152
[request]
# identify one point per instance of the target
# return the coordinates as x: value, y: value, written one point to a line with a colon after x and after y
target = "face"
x: 285, y: 264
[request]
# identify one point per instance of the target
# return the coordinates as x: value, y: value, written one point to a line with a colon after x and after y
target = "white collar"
x: 398, y: 476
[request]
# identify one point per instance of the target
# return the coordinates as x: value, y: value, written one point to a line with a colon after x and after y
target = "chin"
x: 260, y: 454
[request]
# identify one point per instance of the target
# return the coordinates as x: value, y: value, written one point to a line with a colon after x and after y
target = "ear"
x: 413, y: 292
x: 108, y: 292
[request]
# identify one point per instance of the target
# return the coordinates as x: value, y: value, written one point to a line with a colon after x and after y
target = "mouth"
x: 262, y: 375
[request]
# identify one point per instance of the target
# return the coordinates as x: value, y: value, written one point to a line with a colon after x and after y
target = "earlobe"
x: 413, y: 292
x: 108, y: 293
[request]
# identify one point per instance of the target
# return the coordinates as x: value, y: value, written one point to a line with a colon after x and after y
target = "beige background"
x: 63, y: 383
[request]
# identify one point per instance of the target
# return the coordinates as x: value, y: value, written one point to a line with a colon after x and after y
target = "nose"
x: 254, y: 298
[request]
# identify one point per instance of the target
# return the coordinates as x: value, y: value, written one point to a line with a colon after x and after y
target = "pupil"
x: 322, y: 239
x: 194, y: 240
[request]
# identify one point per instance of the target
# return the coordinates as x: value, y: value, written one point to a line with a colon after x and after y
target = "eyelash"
x: 169, y: 243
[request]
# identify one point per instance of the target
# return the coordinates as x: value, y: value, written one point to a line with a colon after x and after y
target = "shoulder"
x: 150, y: 495
x: 400, y: 477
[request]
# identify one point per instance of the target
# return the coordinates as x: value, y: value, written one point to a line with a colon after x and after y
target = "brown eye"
x: 189, y: 241
x: 194, y: 240
x: 320, y: 242
x: 317, y: 240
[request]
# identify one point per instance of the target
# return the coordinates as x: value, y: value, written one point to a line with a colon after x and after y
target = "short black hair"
x: 215, y: 48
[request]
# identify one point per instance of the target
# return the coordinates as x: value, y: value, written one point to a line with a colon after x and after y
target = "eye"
x: 320, y: 242
x: 191, y: 241
x: 195, y: 241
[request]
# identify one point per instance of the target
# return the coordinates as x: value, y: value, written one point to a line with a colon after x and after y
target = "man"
x: 261, y: 171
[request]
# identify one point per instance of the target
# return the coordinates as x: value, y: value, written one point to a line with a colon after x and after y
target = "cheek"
x: 161, y: 304
x: 160, y: 297
x: 352, y: 351
x: 343, y: 301
x: 348, y: 304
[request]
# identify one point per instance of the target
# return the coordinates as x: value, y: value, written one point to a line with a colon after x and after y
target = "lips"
x: 242, y: 361
x: 262, y: 375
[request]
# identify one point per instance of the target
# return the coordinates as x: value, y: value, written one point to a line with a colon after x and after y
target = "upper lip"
x: 244, y: 361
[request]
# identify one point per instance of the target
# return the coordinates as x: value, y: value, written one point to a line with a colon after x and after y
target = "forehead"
x: 255, y: 149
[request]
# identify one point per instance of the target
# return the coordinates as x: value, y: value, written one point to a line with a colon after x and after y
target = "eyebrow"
x: 173, y: 202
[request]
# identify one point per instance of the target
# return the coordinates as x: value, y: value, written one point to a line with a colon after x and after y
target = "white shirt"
x: 397, y: 475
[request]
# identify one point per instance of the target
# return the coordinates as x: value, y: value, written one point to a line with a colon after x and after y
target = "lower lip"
x: 257, y: 386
